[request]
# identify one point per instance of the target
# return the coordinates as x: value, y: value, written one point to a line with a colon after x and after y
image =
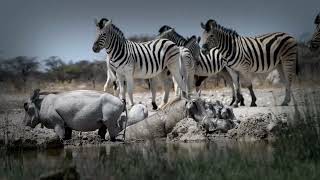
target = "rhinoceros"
x: 80, y: 110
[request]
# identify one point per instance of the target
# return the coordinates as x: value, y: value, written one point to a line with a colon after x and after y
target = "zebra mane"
x: 117, y: 30
x: 101, y: 22
x: 317, y: 19
x: 172, y: 33
x: 220, y: 28
x: 164, y: 28
x: 192, y: 38
x: 114, y: 28
x: 226, y: 30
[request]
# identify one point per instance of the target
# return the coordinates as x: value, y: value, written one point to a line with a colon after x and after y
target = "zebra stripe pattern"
x: 137, y: 60
x: 254, y: 54
x: 315, y: 40
x: 206, y: 64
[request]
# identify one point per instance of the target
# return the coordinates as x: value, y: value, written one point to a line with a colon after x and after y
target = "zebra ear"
x: 35, y: 94
x: 198, y: 39
x: 317, y: 20
x: 203, y: 26
x: 96, y: 22
x: 108, y: 23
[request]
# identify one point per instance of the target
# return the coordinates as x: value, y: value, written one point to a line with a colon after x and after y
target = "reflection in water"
x: 103, y: 161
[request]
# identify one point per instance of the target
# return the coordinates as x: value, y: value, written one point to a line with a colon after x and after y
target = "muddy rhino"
x: 80, y: 110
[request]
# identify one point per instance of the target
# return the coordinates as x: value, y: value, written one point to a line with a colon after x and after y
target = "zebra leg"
x: 178, y: 70
x: 105, y: 87
x: 152, y: 86
x: 236, y: 84
x: 253, y: 96
x: 122, y: 87
x: 198, y: 81
x: 129, y: 81
x: 176, y: 88
x: 165, y: 78
x: 190, y: 82
x: 286, y: 83
x: 228, y: 79
x: 116, y: 88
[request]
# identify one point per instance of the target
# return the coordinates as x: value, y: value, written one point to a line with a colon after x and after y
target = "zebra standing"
x: 254, y: 54
x: 206, y: 65
x: 315, y: 40
x: 138, y: 60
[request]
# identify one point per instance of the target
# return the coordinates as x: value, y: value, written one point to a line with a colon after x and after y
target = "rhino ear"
x: 35, y: 94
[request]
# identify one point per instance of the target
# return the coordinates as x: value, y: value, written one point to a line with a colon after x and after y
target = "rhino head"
x: 32, y: 108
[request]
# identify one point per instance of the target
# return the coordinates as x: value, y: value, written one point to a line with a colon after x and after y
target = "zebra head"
x: 164, y: 28
x: 193, y: 45
x: 209, y: 35
x: 317, y: 19
x: 315, y: 40
x: 103, y: 27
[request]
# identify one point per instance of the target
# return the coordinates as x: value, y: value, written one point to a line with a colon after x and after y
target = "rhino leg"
x: 102, y: 132
x: 67, y: 133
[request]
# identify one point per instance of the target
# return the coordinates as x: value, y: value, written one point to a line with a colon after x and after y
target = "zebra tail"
x: 183, y: 72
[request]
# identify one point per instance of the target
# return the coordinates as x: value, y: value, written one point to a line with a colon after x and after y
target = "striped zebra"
x: 132, y: 60
x: 315, y: 40
x: 206, y: 65
x: 259, y: 54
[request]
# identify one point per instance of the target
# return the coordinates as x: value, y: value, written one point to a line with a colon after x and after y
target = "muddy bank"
x: 173, y: 124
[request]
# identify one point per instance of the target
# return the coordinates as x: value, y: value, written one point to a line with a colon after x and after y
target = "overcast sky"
x: 65, y: 28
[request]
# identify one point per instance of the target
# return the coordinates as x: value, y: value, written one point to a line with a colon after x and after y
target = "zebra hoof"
x: 154, y: 106
x: 284, y: 104
x: 242, y: 104
x: 253, y: 105
x: 235, y: 105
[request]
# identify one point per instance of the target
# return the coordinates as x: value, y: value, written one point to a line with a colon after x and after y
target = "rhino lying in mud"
x: 211, y: 116
x: 80, y: 110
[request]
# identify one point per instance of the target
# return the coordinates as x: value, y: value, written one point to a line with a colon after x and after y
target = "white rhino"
x: 81, y: 110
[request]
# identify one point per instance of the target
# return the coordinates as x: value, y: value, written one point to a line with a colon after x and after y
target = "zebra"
x: 206, y: 65
x: 315, y: 40
x: 138, y: 60
x: 111, y: 79
x: 254, y: 54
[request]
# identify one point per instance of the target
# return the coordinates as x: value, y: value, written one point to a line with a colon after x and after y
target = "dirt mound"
x: 259, y: 127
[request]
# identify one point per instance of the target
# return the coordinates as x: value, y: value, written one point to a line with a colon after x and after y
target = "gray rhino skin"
x: 81, y: 110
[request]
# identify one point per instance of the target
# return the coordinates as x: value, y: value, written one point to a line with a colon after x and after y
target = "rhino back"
x: 82, y: 110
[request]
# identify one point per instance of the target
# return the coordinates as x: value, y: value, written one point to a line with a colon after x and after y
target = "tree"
x: 55, y: 67
x: 20, y: 66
